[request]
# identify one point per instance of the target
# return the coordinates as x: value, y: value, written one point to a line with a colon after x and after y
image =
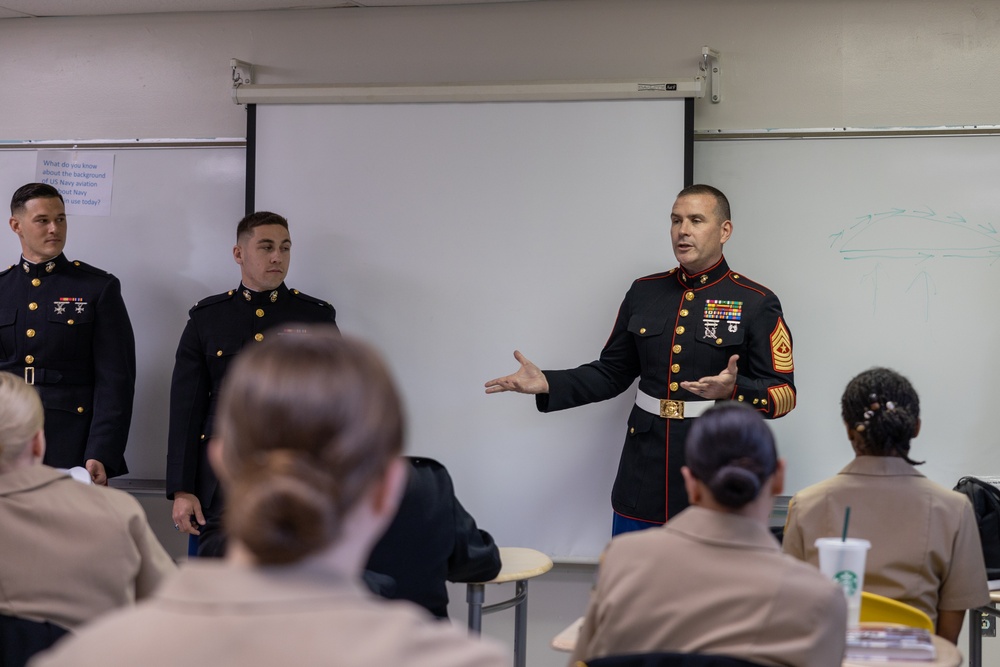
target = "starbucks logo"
x: 848, y: 581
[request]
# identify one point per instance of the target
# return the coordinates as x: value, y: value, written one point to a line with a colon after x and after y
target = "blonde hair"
x: 309, y: 422
x: 21, y: 416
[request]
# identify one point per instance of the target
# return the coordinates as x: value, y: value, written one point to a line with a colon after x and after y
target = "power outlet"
x: 988, y: 624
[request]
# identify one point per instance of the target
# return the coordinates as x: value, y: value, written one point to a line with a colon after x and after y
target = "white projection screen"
x: 450, y: 234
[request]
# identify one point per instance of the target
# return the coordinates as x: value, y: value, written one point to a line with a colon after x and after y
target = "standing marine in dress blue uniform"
x: 692, y: 335
x: 64, y: 328
x: 217, y: 329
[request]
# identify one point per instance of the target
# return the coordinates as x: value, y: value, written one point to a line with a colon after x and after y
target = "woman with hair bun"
x: 310, y: 431
x: 713, y: 579
x: 925, y: 543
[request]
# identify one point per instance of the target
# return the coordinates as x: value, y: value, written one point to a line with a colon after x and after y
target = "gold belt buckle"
x: 671, y: 409
x: 29, y: 374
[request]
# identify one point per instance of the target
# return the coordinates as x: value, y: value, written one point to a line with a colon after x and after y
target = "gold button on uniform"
x: 676, y: 349
x: 80, y: 409
x: 29, y: 359
x: 32, y: 306
x: 31, y: 333
x: 632, y: 431
x: 675, y: 368
x: 70, y: 322
x: 689, y: 296
x: 642, y: 330
x: 218, y: 353
x: 740, y: 398
x: 679, y: 330
x: 763, y: 401
x: 718, y: 341
x: 704, y: 279
x: 674, y: 386
x: 260, y: 312
x: 258, y: 337
x: 684, y: 312
x: 756, y: 401
x: 36, y: 282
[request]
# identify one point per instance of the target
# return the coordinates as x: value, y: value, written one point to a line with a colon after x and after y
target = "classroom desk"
x: 948, y: 654
x: 517, y: 564
x: 975, y: 628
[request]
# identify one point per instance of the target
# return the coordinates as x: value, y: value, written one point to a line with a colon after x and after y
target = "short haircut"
x: 721, y: 201
x: 309, y: 422
x: 26, y: 193
x: 247, y: 224
x: 731, y: 449
x: 21, y: 415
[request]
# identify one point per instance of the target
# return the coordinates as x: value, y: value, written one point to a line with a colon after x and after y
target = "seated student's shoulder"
x: 425, y: 642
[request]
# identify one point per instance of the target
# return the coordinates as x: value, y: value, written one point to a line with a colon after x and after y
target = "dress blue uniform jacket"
x: 431, y: 540
x: 673, y: 327
x: 217, y: 329
x: 64, y: 327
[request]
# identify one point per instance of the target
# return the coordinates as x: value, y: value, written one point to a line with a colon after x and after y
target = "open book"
x: 889, y: 642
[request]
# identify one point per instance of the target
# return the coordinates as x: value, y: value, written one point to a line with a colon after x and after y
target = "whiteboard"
x: 884, y: 252
x: 169, y: 240
x: 449, y: 235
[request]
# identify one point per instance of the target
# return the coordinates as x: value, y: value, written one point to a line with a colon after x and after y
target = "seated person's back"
x: 713, y: 579
x: 310, y: 429
x: 69, y: 552
x: 432, y: 540
x: 925, y: 548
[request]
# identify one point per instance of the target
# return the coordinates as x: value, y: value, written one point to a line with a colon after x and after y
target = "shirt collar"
x: 29, y: 478
x: 723, y: 529
x: 246, y: 295
x: 42, y: 269
x: 705, y: 278
x: 880, y: 466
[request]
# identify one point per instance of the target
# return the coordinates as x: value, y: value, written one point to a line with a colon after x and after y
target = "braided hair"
x: 883, y: 408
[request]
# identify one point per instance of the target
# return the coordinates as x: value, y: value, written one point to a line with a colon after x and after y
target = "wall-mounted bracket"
x: 242, y: 72
x: 713, y: 72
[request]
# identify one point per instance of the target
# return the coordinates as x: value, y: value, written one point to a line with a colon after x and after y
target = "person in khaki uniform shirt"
x: 713, y: 579
x: 925, y: 543
x: 310, y: 429
x: 69, y: 551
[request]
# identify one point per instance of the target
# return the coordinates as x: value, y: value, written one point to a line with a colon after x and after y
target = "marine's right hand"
x: 186, y: 506
x: 527, y: 380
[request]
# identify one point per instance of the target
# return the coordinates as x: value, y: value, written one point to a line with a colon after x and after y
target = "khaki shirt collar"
x: 880, y: 466
x: 731, y: 530
x: 29, y: 478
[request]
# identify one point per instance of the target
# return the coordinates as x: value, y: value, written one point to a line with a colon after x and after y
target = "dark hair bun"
x: 734, y: 487
x: 281, y: 509
x: 731, y: 450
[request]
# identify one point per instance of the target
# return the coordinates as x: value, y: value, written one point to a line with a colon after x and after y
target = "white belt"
x: 669, y: 409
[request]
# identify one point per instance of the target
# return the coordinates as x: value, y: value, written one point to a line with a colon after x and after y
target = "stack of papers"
x: 889, y: 642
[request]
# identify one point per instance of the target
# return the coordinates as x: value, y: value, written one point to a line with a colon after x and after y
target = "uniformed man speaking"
x: 65, y: 329
x: 693, y: 335
x: 217, y: 329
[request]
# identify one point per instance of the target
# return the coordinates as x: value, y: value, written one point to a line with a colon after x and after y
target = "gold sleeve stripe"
x: 782, y: 399
x: 781, y: 348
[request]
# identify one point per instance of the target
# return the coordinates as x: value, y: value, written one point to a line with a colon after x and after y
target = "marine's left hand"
x: 715, y: 386
x: 97, y: 472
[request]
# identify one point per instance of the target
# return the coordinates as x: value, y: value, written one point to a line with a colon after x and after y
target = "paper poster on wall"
x: 83, y: 178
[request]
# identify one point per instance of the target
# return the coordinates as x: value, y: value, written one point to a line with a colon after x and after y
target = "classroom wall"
x: 786, y: 63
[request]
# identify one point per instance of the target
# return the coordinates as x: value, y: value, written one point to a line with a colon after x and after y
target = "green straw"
x: 847, y: 518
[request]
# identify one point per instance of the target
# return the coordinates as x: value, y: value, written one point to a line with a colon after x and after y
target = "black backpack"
x: 985, y: 499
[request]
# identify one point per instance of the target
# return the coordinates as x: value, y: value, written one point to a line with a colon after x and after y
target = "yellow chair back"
x: 880, y: 609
